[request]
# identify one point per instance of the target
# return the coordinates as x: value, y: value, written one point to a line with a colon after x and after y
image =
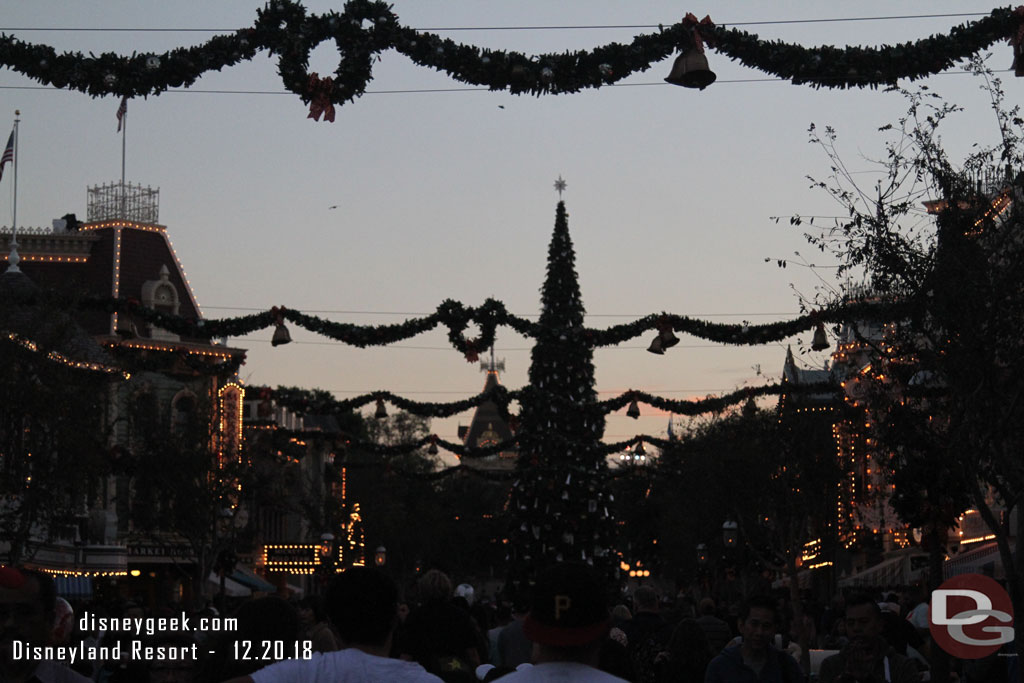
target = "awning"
x: 247, y: 578
x: 891, y: 572
x: 232, y: 589
x: 981, y: 560
x: 74, y: 587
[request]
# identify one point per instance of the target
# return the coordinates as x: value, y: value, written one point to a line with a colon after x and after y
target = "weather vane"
x: 560, y: 185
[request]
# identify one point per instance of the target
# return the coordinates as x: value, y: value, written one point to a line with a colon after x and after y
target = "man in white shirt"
x: 362, y: 603
x: 568, y: 621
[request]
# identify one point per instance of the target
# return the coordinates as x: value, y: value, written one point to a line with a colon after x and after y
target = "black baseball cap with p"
x: 568, y: 608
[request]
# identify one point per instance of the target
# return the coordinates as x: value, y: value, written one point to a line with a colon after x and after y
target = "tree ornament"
x: 152, y: 62
x: 546, y: 75
x: 110, y: 80
x: 606, y: 70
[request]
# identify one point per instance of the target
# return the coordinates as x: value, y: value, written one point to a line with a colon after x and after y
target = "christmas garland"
x: 24, y: 346
x: 451, y: 314
x: 745, y: 333
x: 713, y: 404
x: 163, y: 361
x: 366, y: 28
x: 437, y: 475
x: 456, y: 317
x: 301, y: 402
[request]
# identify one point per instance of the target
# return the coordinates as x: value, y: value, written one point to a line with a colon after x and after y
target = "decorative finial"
x: 560, y: 186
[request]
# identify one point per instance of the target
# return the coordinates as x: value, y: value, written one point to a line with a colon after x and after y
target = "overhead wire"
x: 568, y: 27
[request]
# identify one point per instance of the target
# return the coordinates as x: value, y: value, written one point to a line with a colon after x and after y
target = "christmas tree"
x: 559, y: 501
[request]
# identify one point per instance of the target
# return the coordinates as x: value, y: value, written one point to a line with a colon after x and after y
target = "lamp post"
x: 730, y: 534
x: 380, y: 556
x: 327, y: 553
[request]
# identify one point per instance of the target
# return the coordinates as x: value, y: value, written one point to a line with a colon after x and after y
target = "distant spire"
x: 492, y: 365
x: 789, y: 355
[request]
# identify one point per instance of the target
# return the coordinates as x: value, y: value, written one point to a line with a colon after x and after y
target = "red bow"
x: 1016, y: 40
x: 319, y: 91
x: 690, y: 22
x: 472, y: 355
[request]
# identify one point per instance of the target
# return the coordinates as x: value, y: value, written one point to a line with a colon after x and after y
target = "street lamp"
x: 730, y: 533
x: 380, y: 557
x: 702, y: 555
x: 326, y: 546
x: 638, y: 456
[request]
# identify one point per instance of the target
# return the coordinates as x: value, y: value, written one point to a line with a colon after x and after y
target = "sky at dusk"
x: 450, y: 194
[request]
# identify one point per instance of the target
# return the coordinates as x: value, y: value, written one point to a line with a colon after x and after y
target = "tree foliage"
x: 946, y: 384
x: 53, y: 452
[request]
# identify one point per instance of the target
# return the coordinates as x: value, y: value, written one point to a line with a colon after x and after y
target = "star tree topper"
x: 560, y: 186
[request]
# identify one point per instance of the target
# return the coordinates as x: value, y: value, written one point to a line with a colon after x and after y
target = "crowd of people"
x: 364, y: 629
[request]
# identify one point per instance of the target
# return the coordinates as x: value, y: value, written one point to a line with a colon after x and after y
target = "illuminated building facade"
x: 307, y: 524
x: 122, y: 251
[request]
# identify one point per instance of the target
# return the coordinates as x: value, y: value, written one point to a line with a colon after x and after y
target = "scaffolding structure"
x: 123, y: 201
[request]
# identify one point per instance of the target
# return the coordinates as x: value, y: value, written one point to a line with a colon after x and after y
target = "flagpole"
x: 124, y: 135
x: 13, y: 258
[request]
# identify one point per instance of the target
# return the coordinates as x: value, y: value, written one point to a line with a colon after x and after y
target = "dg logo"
x: 971, y: 616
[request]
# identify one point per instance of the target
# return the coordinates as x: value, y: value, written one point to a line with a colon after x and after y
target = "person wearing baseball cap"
x: 567, y: 622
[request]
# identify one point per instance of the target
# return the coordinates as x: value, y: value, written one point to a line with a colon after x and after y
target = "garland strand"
x: 457, y: 317
x: 366, y: 28
x: 714, y: 404
x: 301, y: 402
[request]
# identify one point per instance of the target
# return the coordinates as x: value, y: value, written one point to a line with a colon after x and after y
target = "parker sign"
x: 971, y: 616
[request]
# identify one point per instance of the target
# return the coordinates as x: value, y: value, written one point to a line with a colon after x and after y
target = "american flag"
x: 8, y: 154
x: 121, y: 111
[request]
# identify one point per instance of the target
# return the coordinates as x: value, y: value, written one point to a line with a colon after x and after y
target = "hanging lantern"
x: 691, y: 70
x: 639, y: 450
x: 432, y: 448
x: 381, y: 412
x: 820, y: 340
x: 657, y: 346
x: 634, y: 409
